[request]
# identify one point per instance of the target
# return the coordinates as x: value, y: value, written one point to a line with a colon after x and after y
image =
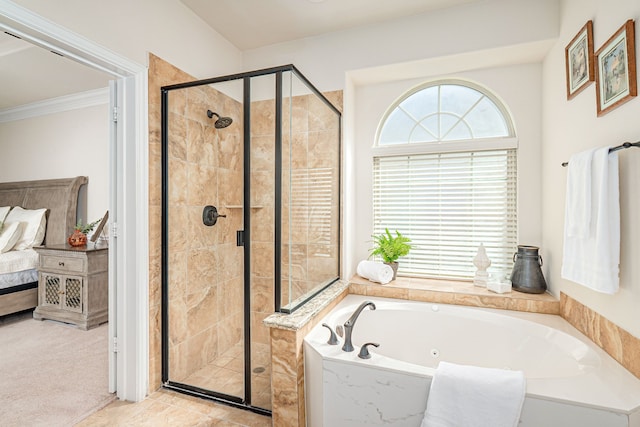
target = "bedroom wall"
x: 572, y: 126
x: 60, y: 145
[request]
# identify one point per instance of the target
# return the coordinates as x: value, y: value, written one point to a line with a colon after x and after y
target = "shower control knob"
x: 210, y: 215
x: 364, y: 351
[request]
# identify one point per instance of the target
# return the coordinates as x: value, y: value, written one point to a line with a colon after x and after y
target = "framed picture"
x: 98, y: 231
x: 616, y: 69
x: 579, y: 61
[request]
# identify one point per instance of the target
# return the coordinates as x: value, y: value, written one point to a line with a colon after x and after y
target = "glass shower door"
x: 250, y: 224
x: 204, y: 267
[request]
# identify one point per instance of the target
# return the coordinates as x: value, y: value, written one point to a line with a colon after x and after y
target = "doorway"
x: 128, y: 201
x: 250, y: 182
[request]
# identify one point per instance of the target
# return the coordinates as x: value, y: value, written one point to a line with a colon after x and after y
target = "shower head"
x: 221, y: 122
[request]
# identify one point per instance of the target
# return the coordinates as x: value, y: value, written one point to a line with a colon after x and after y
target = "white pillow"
x: 4, y: 210
x: 9, y: 236
x: 34, y: 226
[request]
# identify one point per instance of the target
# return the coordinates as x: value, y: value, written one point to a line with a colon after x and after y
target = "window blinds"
x: 448, y: 204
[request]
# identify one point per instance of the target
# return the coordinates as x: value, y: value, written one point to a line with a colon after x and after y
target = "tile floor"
x: 168, y: 408
x: 225, y: 374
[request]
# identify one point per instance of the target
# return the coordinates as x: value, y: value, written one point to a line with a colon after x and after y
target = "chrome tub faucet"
x: 348, y: 325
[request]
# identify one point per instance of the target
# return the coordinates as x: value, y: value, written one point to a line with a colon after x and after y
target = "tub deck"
x: 600, y: 387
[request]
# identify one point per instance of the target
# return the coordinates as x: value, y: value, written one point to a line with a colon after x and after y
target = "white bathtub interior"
x: 568, y: 376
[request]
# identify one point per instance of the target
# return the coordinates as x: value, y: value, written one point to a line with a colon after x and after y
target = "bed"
x: 65, y: 202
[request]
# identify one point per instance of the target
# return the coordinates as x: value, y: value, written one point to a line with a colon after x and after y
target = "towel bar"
x: 612, y: 149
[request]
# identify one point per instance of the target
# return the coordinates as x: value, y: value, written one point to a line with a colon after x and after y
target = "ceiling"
x: 250, y: 24
x: 29, y: 74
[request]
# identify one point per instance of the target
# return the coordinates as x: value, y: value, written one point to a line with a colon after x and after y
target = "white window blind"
x: 448, y: 204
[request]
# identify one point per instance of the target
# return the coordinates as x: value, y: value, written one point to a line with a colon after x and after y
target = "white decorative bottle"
x: 482, y: 262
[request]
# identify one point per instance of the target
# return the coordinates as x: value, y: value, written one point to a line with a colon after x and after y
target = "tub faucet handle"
x: 364, y: 351
x: 333, y: 339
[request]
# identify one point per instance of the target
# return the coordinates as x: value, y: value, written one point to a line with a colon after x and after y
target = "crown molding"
x: 60, y: 104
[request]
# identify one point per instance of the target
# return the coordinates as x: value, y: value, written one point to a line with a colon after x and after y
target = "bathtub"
x: 570, y: 380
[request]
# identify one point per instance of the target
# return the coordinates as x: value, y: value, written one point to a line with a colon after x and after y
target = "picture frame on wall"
x: 579, y: 61
x: 616, y: 69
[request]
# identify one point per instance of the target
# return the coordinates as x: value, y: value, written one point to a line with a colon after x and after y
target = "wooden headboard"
x: 61, y: 197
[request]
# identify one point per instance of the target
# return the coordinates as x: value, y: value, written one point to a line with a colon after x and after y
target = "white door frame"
x: 128, y: 194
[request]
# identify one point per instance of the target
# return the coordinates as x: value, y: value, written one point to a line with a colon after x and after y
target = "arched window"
x: 445, y: 175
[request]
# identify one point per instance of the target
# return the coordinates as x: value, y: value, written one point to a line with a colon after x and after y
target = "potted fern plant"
x: 390, y: 248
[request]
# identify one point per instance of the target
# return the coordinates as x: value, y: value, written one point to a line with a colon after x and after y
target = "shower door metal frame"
x: 244, y: 403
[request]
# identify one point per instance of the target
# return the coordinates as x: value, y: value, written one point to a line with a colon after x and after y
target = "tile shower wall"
x: 161, y: 73
x: 205, y: 278
x: 205, y: 265
x: 312, y: 149
x: 309, y: 135
x: 262, y: 216
x: 310, y: 190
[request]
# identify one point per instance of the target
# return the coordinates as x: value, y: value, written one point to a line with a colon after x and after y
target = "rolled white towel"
x: 375, y: 271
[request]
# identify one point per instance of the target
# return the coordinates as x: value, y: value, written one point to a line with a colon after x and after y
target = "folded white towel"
x: 471, y: 396
x: 375, y: 271
x: 593, y: 259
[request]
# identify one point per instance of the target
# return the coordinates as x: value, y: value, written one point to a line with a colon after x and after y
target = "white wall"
x: 166, y: 28
x: 519, y: 87
x: 572, y: 126
x: 60, y: 145
x: 376, y: 64
x: 491, y: 27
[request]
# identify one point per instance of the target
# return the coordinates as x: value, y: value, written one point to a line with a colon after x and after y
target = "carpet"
x: 51, y: 373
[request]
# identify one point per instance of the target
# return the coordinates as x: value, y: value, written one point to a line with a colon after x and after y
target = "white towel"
x: 375, y: 271
x: 578, y: 202
x: 470, y: 396
x: 593, y: 259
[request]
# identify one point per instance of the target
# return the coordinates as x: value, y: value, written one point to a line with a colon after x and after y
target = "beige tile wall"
x: 620, y: 344
x: 262, y: 216
x: 203, y: 158
x: 205, y: 276
x: 310, y: 231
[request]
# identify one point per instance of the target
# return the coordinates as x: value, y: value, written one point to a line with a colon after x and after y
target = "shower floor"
x: 225, y: 374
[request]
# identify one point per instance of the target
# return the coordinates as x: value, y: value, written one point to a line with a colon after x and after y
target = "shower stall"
x: 250, y: 224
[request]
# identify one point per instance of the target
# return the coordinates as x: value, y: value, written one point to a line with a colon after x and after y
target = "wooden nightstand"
x: 73, y: 285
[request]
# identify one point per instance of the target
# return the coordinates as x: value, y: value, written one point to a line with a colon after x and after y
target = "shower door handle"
x: 210, y: 215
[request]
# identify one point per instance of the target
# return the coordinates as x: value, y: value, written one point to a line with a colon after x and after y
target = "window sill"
x: 453, y: 292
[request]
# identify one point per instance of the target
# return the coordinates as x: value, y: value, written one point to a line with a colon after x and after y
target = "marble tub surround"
x: 570, y: 380
x: 618, y: 343
x: 308, y: 312
x: 454, y: 292
x: 287, y: 332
